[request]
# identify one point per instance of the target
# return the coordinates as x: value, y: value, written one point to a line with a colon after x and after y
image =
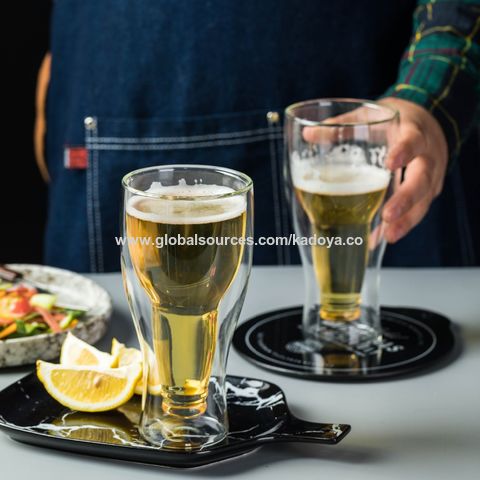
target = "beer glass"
x: 337, y: 184
x: 185, y: 264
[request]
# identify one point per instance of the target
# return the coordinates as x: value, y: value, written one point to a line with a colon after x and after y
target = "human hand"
x: 421, y: 147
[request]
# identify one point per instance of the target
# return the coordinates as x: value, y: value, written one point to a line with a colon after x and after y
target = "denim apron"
x: 135, y: 84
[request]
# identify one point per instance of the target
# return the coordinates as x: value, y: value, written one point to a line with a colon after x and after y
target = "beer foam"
x: 185, y: 190
x: 185, y: 211
x: 338, y: 179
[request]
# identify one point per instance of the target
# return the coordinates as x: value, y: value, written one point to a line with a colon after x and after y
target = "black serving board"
x: 257, y: 409
x: 414, y: 341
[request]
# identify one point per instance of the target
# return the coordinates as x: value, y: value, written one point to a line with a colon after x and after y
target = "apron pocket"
x: 249, y: 142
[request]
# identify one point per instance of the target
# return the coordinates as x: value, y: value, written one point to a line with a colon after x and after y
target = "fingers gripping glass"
x: 338, y: 183
x: 185, y: 293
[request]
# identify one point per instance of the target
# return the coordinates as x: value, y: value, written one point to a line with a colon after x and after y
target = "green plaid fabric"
x: 440, y: 69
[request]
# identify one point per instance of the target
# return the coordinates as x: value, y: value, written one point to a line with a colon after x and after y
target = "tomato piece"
x: 20, y: 306
x: 14, y: 307
x: 23, y: 291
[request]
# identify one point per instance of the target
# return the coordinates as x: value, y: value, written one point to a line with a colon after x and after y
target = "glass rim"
x: 361, y: 102
x: 230, y: 171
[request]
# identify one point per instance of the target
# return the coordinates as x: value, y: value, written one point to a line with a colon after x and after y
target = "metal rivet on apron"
x: 90, y: 123
x: 273, y: 117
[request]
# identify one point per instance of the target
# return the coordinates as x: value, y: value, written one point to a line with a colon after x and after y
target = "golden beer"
x: 341, y: 201
x: 185, y: 282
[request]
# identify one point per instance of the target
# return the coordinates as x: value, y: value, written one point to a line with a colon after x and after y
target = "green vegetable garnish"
x: 76, y: 313
x: 30, y: 316
x: 65, y: 323
x: 43, y: 300
x: 26, y: 329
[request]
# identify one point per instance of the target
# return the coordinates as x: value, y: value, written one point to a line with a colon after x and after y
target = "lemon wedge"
x: 125, y: 356
x: 128, y: 356
x: 116, y: 347
x: 89, y: 389
x: 76, y: 352
x: 154, y: 384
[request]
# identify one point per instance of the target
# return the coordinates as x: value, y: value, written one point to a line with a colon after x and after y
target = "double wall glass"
x: 185, y: 265
x: 337, y: 183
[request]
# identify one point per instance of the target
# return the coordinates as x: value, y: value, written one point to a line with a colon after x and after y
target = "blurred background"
x: 22, y: 240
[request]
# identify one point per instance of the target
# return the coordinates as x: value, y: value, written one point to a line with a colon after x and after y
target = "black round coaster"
x: 414, y: 340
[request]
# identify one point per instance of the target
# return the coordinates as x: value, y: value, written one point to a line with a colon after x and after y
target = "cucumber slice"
x: 43, y: 300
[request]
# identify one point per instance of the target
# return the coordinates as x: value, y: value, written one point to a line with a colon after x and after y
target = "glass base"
x: 359, y: 333
x: 174, y: 432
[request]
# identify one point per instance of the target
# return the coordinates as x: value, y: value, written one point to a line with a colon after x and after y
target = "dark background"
x: 24, y: 192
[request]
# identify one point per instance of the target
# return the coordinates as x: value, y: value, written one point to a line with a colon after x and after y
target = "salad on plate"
x: 24, y: 312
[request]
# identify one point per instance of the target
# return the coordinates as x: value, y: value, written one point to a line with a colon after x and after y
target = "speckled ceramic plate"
x: 257, y: 409
x: 70, y: 288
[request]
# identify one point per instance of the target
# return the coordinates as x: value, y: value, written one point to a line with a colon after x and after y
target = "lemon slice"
x: 89, y: 389
x: 76, y: 352
x: 116, y: 347
x: 125, y: 356
x: 128, y: 356
x: 154, y: 383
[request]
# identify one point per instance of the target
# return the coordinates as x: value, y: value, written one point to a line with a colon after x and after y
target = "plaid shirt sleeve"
x: 440, y: 69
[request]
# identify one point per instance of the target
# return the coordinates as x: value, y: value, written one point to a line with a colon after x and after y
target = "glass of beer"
x: 185, y: 264
x: 337, y: 183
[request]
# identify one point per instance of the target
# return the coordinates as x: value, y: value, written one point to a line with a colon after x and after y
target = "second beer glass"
x: 338, y: 183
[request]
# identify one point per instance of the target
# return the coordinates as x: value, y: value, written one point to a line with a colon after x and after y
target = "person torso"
x: 178, y: 81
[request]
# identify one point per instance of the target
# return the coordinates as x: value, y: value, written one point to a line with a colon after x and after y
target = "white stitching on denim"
x: 97, y: 209
x: 90, y: 219
x: 189, y: 138
x: 278, y: 220
x: 179, y: 146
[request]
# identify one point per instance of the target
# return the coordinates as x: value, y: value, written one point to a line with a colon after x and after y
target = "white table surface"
x: 426, y: 427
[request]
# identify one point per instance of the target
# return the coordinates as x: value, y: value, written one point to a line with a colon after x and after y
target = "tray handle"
x: 297, y: 430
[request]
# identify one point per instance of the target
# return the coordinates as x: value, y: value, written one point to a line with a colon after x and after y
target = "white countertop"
x: 426, y: 427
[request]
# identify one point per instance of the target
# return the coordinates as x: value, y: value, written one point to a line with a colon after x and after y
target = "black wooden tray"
x: 258, y: 414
